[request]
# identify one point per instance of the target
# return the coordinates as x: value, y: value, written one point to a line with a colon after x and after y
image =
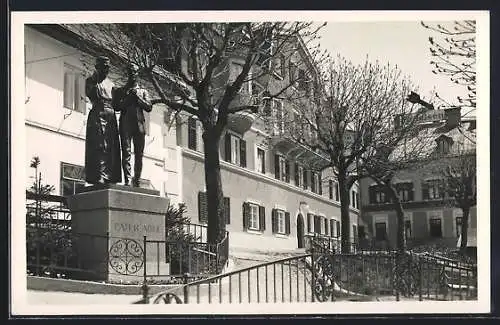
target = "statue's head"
x: 132, y: 71
x: 102, y: 65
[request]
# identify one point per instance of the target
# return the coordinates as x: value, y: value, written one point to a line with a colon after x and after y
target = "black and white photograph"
x: 236, y: 162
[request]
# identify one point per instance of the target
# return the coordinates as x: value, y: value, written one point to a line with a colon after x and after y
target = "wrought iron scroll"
x: 126, y: 256
x: 167, y: 298
x: 324, y: 277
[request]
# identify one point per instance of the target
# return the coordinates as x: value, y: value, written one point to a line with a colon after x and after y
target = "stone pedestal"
x: 114, y: 227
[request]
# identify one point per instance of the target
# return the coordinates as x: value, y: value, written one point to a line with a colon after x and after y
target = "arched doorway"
x: 300, y: 231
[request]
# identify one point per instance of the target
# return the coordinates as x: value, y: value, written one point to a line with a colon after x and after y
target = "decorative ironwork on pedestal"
x: 126, y: 256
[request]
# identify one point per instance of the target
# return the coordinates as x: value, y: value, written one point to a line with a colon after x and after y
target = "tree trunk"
x: 465, y: 227
x: 216, y: 221
x: 400, y: 219
x: 344, y: 213
x: 401, y: 236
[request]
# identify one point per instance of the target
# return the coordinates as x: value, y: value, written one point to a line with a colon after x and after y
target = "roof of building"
x: 424, y: 143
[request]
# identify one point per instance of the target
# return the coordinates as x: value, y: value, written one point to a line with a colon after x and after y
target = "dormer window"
x: 444, y: 145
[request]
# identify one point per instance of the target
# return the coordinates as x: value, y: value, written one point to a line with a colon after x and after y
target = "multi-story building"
x: 429, y: 215
x: 273, y: 198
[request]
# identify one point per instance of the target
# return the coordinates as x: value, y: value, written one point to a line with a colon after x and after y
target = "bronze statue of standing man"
x: 132, y: 100
x: 102, y: 144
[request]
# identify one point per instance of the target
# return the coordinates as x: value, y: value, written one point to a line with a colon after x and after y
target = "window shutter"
x: 331, y: 228
x: 316, y: 224
x: 227, y: 210
x: 277, y: 166
x: 287, y: 171
x: 192, y: 133
x: 337, y: 223
x: 313, y: 182
x: 202, y: 207
x: 320, y: 184
x: 372, y: 192
x: 243, y: 153
x: 274, y: 221
x: 264, y: 162
x: 425, y: 191
x: 305, y: 178
x: 309, y: 216
x: 287, y: 223
x: 246, y: 215
x: 410, y: 193
x: 227, y: 147
x: 76, y: 93
x: 442, y: 187
x: 330, y: 189
x: 337, y: 191
x: 296, y: 174
x: 262, y: 218
x: 325, y: 221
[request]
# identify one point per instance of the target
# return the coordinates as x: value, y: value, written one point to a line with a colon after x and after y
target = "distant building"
x: 429, y: 216
x: 275, y: 192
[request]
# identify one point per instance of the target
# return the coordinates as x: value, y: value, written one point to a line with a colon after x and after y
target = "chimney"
x: 453, y: 117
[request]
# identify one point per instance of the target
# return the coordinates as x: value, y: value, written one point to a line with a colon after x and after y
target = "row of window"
x: 434, y: 226
x: 235, y: 152
x: 431, y: 190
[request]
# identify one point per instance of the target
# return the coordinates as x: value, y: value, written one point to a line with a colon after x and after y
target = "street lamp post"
x: 414, y: 98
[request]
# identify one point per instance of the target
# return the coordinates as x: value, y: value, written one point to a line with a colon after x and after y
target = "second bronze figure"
x: 131, y: 101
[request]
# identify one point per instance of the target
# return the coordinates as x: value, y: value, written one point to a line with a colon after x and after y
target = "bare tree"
x: 401, y: 149
x: 460, y: 182
x: 454, y: 55
x: 190, y: 68
x: 355, y: 115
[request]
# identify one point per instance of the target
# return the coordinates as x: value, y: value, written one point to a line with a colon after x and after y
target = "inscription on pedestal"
x: 123, y: 227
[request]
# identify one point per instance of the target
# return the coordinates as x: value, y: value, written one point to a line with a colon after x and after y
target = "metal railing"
x: 329, y: 243
x: 322, y: 275
x: 286, y: 280
x: 55, y: 250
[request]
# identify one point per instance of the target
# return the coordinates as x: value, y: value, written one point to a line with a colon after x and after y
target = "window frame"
x: 235, y: 156
x: 260, y: 166
x: 384, y: 235
x: 78, y: 96
x: 435, y: 215
x: 281, y: 221
x: 74, y: 181
x: 403, y: 188
x: 437, y: 186
x: 257, y: 216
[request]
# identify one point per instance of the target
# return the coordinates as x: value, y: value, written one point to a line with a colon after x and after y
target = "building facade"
x: 272, y: 199
x: 430, y: 217
x: 56, y: 113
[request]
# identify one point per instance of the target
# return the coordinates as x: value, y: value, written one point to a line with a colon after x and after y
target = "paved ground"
x: 70, y: 298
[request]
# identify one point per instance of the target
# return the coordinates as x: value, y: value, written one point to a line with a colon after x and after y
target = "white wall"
x: 57, y: 134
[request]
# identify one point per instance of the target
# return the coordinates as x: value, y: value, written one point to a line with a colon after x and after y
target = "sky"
x: 404, y: 43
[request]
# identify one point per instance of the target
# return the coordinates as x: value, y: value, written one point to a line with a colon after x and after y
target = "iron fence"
x: 55, y: 250
x: 324, y: 276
